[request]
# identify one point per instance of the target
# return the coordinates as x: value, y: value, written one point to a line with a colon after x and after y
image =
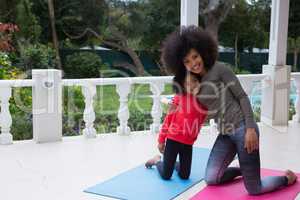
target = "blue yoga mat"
x: 143, y: 184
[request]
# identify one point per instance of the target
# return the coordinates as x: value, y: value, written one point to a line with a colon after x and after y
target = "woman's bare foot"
x: 291, y: 176
x: 152, y: 161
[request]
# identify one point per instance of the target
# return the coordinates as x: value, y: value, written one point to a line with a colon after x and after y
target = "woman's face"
x: 193, y: 62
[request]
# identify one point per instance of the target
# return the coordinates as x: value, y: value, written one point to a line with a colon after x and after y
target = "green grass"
x: 107, y: 99
x: 106, y: 107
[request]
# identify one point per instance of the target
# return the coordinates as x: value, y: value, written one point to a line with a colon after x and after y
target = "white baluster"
x: 247, y: 86
x: 296, y: 117
x: 123, y: 90
x: 156, y: 112
x: 89, y: 92
x: 5, y: 117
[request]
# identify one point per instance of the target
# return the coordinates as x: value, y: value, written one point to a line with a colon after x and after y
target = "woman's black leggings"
x: 172, y: 149
x: 222, y: 154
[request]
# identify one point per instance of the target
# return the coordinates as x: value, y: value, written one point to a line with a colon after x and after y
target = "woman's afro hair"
x: 178, y: 44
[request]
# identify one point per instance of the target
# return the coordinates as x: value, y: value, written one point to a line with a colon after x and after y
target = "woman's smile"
x: 197, y: 67
x: 193, y: 62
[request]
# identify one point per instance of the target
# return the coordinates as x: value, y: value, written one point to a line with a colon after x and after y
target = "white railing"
x: 296, y: 78
x: 123, y: 86
x: 247, y: 81
x: 5, y: 116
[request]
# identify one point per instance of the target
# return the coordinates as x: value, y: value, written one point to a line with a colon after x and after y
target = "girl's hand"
x: 251, y: 140
x: 161, y: 147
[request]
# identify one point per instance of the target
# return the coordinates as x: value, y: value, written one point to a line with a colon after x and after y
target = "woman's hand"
x: 161, y: 147
x: 251, y: 140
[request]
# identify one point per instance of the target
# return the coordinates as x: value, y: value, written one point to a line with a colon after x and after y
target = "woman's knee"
x: 211, y: 180
x: 253, y: 192
x: 253, y: 189
x: 211, y: 177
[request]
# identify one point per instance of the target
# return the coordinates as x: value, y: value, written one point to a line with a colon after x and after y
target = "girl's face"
x: 193, y: 62
x: 191, y: 84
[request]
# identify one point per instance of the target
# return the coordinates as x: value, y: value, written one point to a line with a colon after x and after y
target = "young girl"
x: 180, y: 129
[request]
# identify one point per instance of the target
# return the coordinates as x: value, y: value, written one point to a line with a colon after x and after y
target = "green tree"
x: 27, y: 22
x: 36, y: 56
x: 294, y: 47
x: 124, y: 30
x: 294, y: 31
x: 82, y: 65
x: 117, y: 32
x: 8, y: 10
x: 54, y: 33
x: 214, y: 12
x: 162, y: 18
x: 294, y: 16
x: 71, y: 16
x: 244, y: 28
x: 127, y: 17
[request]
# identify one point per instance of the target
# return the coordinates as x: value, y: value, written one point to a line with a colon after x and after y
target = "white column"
x: 5, y: 117
x: 296, y: 117
x: 156, y: 112
x: 189, y: 12
x: 47, y: 105
x: 275, y: 97
x: 278, y: 32
x: 123, y: 113
x: 89, y: 91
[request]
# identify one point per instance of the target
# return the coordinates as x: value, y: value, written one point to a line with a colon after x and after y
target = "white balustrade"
x: 248, y: 80
x: 123, y: 90
x: 123, y: 87
x: 89, y: 91
x: 296, y: 77
x: 5, y: 117
x: 156, y: 112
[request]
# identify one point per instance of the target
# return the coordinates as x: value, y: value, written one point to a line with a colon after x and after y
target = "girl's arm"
x: 167, y: 121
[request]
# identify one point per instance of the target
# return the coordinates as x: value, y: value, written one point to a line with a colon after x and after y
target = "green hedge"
x: 83, y: 65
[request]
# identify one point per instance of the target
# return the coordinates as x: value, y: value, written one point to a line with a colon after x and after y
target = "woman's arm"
x: 232, y: 83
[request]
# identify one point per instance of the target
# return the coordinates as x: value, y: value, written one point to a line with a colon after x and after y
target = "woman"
x: 193, y: 49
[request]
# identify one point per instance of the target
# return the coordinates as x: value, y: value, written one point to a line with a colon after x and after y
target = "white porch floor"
x: 62, y: 170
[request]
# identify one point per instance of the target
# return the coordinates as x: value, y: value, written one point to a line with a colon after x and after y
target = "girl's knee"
x: 184, y: 176
x: 166, y: 176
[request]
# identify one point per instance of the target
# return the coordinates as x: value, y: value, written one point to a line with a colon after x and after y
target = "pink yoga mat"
x: 237, y: 191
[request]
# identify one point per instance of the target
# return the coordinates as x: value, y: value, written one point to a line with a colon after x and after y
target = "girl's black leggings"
x: 183, y: 167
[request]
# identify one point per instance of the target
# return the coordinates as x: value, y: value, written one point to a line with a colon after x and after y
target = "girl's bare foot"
x: 152, y: 161
x: 291, y: 176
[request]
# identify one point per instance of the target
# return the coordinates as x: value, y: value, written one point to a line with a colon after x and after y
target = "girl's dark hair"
x: 178, y: 82
x: 179, y: 43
